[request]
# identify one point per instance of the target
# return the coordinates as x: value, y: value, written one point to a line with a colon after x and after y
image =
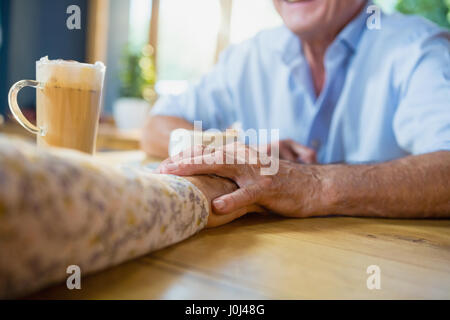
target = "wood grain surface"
x: 269, y: 257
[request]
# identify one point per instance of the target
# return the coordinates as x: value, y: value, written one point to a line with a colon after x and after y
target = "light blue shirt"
x: 387, y: 91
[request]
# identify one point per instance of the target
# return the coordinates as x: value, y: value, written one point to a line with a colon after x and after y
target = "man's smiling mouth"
x: 295, y: 1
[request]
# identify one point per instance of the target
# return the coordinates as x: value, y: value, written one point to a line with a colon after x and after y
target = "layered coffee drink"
x: 68, y: 102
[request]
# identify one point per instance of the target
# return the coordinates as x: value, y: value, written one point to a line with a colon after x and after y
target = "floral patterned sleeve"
x: 61, y: 208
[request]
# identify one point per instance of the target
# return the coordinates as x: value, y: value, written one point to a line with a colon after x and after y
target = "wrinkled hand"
x: 295, y: 190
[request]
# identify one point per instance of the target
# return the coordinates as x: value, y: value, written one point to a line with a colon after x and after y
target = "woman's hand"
x: 295, y: 190
x: 213, y: 187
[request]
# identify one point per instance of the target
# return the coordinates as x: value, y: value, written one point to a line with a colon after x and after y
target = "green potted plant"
x: 137, y: 92
x: 435, y: 10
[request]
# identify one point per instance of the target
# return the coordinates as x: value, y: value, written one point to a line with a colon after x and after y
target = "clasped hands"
x: 231, y: 179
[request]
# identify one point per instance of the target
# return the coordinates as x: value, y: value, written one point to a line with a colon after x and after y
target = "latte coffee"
x: 68, y: 103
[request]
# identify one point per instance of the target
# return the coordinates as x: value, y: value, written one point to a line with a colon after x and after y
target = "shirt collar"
x: 353, y: 31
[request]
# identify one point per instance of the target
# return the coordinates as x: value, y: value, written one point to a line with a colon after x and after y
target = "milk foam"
x: 70, y: 74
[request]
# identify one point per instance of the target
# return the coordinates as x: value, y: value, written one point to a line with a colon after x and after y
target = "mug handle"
x: 15, y: 109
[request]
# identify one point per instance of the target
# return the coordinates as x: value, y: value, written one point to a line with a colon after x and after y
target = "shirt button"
x: 315, y: 144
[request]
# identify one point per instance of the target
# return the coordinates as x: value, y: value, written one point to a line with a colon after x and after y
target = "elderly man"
x: 371, y: 106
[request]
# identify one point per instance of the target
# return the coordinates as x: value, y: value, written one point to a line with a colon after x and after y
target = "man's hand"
x: 156, y: 134
x: 411, y: 187
x: 268, y: 191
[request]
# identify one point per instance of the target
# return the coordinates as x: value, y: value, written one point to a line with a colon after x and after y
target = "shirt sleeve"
x: 209, y: 100
x: 61, y: 208
x: 422, y: 120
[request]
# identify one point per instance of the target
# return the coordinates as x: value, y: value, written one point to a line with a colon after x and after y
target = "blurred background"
x: 150, y: 47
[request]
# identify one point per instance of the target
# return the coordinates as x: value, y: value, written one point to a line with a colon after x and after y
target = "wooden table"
x: 271, y: 257
x: 108, y: 137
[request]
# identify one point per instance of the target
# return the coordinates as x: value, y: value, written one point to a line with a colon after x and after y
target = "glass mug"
x: 68, y: 103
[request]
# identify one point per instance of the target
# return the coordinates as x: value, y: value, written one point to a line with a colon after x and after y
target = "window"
x: 190, y: 33
x: 140, y: 14
x: 187, y: 38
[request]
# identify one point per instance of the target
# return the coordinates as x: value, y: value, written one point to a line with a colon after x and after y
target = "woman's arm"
x: 61, y: 208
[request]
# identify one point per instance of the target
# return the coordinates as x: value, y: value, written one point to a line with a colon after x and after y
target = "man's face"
x: 312, y: 17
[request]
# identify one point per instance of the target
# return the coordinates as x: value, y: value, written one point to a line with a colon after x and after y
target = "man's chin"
x: 302, y: 27
x: 304, y: 6
x: 303, y: 15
